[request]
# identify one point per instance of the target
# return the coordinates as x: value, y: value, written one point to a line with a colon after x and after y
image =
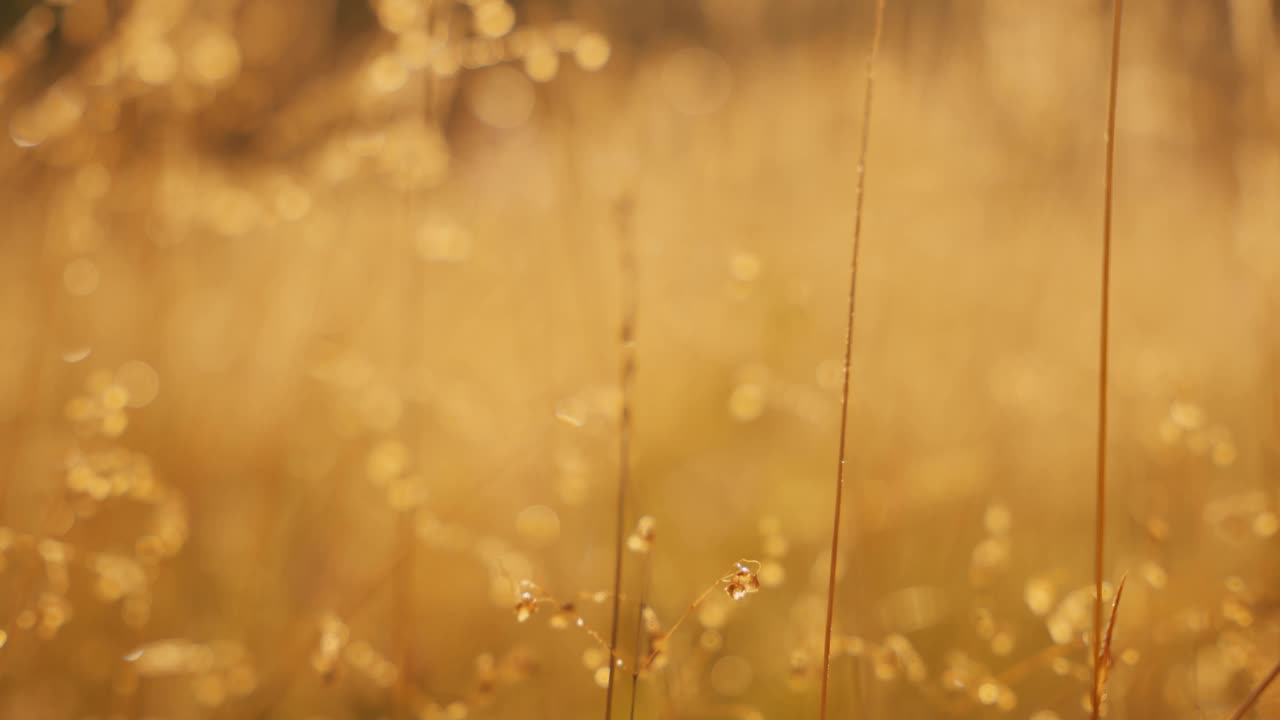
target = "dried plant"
x: 1100, y: 659
x: 848, y: 354
x: 310, y: 406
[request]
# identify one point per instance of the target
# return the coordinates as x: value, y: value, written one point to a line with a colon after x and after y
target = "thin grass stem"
x: 1100, y: 496
x: 627, y: 373
x: 1252, y: 700
x: 848, y: 351
x: 635, y: 668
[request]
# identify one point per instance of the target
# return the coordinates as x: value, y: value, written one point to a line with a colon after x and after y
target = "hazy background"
x: 309, y: 309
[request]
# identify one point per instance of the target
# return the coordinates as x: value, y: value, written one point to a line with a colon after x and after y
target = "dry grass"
x: 838, y: 503
x: 1099, y: 650
x: 309, y: 382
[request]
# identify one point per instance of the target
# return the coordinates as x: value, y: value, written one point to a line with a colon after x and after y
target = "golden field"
x: 310, y: 358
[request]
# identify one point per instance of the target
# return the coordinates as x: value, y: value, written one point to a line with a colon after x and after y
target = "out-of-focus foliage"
x: 308, y: 357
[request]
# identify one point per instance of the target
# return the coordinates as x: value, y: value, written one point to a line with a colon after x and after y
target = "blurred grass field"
x: 309, y: 343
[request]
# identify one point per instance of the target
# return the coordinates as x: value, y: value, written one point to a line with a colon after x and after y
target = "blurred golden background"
x: 309, y: 317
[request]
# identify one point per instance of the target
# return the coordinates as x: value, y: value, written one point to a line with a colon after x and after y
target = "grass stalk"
x: 848, y: 351
x: 1100, y: 496
x: 627, y: 373
x: 1252, y: 700
x: 636, y: 666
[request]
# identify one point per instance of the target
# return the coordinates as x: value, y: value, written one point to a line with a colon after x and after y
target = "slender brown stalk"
x: 1252, y: 700
x: 627, y: 375
x: 1100, y: 497
x: 848, y: 350
x: 1104, y: 657
x: 635, y: 667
